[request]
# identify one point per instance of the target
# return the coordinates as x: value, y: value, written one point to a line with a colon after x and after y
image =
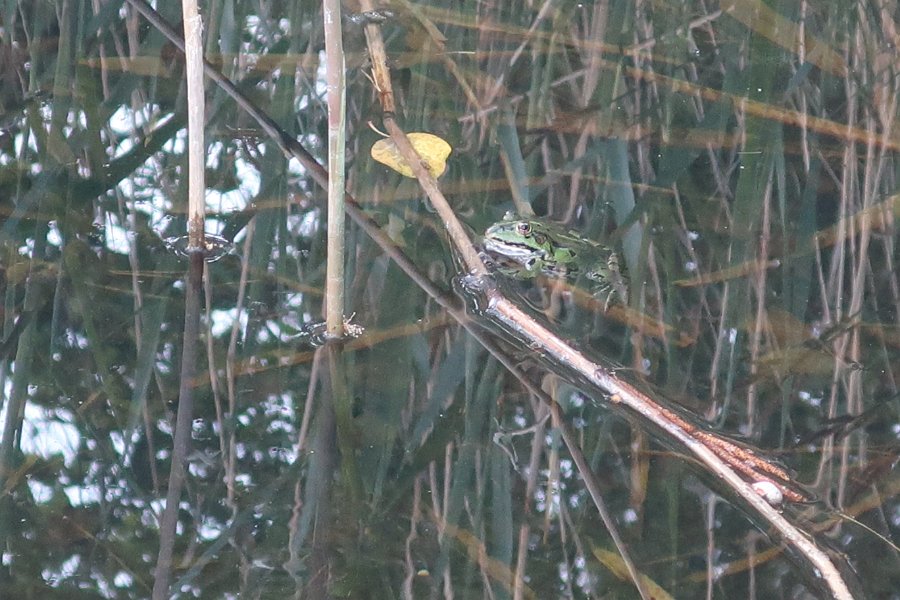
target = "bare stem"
x: 336, y: 92
x: 193, y: 34
x: 193, y: 29
x: 183, y: 420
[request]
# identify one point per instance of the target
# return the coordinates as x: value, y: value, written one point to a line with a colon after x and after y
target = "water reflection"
x: 214, y: 247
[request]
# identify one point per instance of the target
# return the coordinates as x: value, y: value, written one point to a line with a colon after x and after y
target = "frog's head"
x: 535, y: 245
x: 526, y: 242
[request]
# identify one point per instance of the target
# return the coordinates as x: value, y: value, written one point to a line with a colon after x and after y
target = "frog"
x: 524, y: 248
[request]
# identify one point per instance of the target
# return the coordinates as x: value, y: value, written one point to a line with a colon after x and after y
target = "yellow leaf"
x: 433, y: 150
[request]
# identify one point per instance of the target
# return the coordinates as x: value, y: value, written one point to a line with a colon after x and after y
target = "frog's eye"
x: 523, y: 228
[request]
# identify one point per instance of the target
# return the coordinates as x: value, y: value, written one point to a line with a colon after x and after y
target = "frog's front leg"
x: 532, y: 267
x: 518, y: 269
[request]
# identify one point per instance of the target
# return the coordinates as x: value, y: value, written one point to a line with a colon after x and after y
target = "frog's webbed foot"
x: 604, y: 294
x: 611, y: 284
x: 609, y: 292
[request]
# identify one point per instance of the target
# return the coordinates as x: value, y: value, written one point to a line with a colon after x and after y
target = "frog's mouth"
x: 521, y: 253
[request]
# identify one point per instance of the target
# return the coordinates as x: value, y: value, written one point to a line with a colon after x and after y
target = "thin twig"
x: 335, y: 81
x: 183, y: 420
x: 196, y: 219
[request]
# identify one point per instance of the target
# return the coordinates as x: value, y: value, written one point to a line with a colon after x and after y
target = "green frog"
x: 526, y: 248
